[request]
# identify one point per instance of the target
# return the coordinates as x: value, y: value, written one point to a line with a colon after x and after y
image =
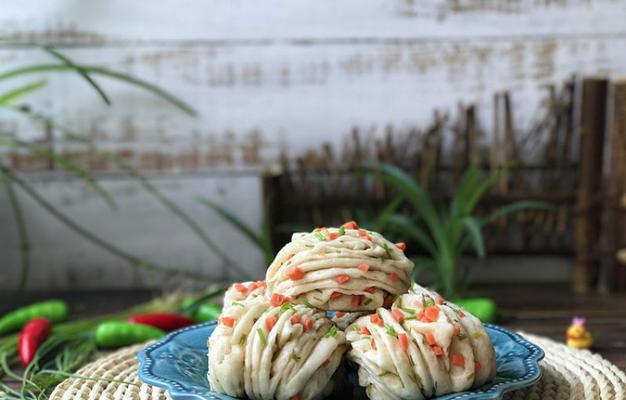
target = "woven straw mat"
x: 567, y: 374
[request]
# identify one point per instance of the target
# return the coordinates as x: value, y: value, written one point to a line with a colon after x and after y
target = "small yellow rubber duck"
x: 578, y: 337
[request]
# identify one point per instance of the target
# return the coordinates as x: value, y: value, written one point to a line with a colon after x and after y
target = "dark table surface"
x: 545, y: 310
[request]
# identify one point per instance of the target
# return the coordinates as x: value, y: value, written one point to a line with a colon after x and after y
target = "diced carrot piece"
x: 332, y: 235
x: 476, y: 366
x: 397, y: 315
x: 375, y: 319
x: 270, y: 322
x: 393, y: 276
x: 253, y: 286
x: 295, y: 319
x: 438, y: 351
x: 440, y: 300
x: 371, y: 239
x: 420, y: 317
x: 432, y: 313
x: 370, y: 289
x: 339, y: 314
x: 457, y: 330
x: 294, y: 273
x: 308, y: 324
x: 364, y: 267
x: 430, y: 339
x: 362, y: 233
x: 277, y: 300
x: 403, y: 341
x: 458, y: 360
x: 401, y: 245
x: 326, y: 362
x: 356, y: 300
x: 335, y: 295
x: 341, y: 279
x: 461, y: 314
x: 262, y: 283
x: 227, y: 321
x: 351, y: 225
x: 365, y: 331
x: 240, y: 287
x: 373, y: 344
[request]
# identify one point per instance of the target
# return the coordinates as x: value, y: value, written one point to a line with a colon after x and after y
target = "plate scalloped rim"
x: 491, y: 392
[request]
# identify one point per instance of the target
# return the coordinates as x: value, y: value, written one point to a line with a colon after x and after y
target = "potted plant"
x: 446, y: 231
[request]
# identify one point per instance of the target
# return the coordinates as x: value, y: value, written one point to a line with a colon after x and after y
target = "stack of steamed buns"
x: 275, y: 340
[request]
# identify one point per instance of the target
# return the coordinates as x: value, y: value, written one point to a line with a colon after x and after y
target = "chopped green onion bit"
x: 319, y: 236
x: 390, y: 330
x: 332, y: 332
x: 261, y: 336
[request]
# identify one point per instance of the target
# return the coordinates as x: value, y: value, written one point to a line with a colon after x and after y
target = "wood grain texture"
x: 102, y: 22
x: 280, y: 76
x: 142, y: 226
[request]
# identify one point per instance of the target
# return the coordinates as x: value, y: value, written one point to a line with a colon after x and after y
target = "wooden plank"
x: 141, y: 225
x: 588, y: 221
x: 614, y: 235
x: 297, y: 96
x: 105, y: 21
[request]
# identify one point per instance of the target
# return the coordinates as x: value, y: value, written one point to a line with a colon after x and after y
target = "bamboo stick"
x: 593, y: 112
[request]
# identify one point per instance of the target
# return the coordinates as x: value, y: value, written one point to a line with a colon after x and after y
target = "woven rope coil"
x: 568, y: 374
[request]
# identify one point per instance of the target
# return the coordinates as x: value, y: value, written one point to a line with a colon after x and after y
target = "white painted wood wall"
x: 288, y: 73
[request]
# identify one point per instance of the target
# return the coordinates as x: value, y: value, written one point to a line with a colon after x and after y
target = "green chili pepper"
x: 114, y: 334
x: 185, y: 305
x: 52, y: 310
x: 208, y: 312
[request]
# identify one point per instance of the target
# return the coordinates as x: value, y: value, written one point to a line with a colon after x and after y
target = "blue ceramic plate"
x: 178, y: 363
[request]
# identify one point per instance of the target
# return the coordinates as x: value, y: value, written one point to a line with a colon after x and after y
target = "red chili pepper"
x: 165, y: 321
x: 32, y: 335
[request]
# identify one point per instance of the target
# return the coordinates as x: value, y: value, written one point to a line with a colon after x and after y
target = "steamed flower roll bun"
x: 244, y: 291
x: 421, y: 347
x: 243, y: 306
x: 344, y: 269
x: 292, y: 352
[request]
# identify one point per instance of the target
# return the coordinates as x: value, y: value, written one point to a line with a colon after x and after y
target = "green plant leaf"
x: 383, y: 217
x: 414, y: 194
x: 236, y: 223
x: 474, y: 230
x: 161, y: 93
x: 21, y: 91
x: 145, y: 184
x: 477, y: 194
x: 422, y: 264
x: 96, y: 240
x: 515, y: 207
x: 22, y: 233
x: 77, y: 68
x: 406, y: 226
x: 70, y: 167
x: 463, y: 191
